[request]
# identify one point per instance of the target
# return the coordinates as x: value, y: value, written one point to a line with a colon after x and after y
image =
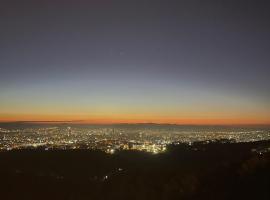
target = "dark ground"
x: 201, y: 171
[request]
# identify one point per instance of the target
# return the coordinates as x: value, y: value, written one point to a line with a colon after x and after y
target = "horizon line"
x: 85, y: 122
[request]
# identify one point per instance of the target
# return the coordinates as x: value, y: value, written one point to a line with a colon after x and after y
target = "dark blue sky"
x: 176, y: 54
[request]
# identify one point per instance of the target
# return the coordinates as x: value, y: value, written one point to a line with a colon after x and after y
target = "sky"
x: 120, y: 61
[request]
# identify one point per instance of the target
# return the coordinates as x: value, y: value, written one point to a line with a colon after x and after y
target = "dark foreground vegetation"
x: 201, y: 171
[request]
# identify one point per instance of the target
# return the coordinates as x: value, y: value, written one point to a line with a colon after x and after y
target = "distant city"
x: 113, y: 138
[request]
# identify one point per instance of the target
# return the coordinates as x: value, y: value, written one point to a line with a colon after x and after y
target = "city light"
x: 111, y: 139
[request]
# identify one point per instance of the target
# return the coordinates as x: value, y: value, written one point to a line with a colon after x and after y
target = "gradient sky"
x: 110, y: 61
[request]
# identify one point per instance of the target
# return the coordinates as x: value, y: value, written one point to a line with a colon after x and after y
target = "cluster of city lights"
x: 113, y: 139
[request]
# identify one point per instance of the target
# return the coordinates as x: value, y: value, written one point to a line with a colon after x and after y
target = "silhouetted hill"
x: 216, y: 170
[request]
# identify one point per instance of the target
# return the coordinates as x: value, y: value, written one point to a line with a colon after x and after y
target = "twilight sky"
x: 109, y: 61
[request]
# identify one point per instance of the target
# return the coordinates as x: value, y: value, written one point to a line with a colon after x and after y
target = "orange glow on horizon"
x: 132, y: 120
